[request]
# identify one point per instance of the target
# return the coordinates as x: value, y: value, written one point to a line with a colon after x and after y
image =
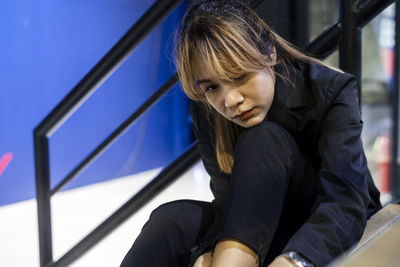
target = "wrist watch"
x: 297, y: 259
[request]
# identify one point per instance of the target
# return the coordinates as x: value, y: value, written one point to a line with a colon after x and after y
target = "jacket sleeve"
x: 339, y: 213
x: 204, y: 134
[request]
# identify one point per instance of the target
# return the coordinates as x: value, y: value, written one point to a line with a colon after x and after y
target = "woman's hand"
x: 204, y: 260
x: 228, y: 252
x: 281, y: 262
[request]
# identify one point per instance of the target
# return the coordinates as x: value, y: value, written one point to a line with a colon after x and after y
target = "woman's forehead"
x: 203, y: 69
x: 203, y: 72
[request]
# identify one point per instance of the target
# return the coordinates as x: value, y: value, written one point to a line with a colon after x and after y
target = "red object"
x: 384, y: 163
x: 4, y: 161
x: 387, y: 57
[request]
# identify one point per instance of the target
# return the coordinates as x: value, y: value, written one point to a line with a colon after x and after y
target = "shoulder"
x: 332, y: 82
x: 339, y: 93
x: 324, y: 76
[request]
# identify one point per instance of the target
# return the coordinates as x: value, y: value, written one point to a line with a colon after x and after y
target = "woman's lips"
x: 244, y: 115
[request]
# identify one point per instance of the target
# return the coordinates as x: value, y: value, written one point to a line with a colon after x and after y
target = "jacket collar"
x: 298, y: 98
x: 290, y: 91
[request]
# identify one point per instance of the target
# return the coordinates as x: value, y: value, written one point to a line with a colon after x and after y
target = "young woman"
x: 279, y: 133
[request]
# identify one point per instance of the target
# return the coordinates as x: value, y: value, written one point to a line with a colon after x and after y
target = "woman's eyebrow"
x: 203, y: 81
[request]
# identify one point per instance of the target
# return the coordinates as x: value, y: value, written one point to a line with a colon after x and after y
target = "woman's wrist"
x: 281, y: 261
x: 297, y: 259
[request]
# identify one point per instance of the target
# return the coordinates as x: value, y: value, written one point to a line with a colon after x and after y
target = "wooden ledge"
x: 378, y: 223
x: 380, y: 243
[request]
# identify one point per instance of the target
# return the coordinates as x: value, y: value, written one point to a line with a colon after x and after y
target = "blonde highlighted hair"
x: 230, y: 40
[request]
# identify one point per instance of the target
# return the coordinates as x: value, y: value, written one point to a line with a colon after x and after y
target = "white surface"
x: 77, y: 212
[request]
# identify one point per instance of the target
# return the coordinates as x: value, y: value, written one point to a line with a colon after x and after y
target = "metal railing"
x: 345, y: 33
x: 68, y: 105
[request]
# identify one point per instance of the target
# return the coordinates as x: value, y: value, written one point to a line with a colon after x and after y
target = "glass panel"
x: 377, y: 83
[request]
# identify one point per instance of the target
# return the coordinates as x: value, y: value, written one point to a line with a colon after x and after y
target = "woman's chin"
x: 250, y: 122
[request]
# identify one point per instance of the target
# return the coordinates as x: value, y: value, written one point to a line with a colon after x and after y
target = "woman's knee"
x: 166, y: 218
x: 170, y: 233
x: 179, y: 216
x: 266, y: 136
x: 167, y: 213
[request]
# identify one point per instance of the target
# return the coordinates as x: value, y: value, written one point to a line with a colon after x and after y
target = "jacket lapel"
x: 290, y: 101
x: 298, y: 98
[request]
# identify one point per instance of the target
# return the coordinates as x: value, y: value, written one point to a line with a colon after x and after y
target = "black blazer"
x: 321, y: 112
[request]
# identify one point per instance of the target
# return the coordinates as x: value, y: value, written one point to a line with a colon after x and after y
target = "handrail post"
x: 367, y: 10
x: 350, y: 43
x: 395, y: 178
x: 42, y: 170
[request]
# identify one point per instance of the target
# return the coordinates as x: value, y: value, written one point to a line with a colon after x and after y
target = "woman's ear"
x: 272, y: 55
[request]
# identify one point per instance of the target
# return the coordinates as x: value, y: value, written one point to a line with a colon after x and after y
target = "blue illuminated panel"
x: 46, y: 47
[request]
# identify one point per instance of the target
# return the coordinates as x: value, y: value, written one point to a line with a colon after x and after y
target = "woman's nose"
x: 233, y: 98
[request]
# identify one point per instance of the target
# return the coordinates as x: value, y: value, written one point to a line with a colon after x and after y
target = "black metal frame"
x: 345, y: 33
x: 350, y: 43
x: 69, y: 104
x: 395, y: 183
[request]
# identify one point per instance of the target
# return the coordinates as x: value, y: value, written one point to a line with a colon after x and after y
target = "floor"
x: 76, y: 212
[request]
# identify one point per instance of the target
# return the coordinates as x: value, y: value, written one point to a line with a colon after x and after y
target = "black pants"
x: 269, y: 198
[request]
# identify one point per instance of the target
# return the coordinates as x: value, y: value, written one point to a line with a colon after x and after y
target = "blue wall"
x: 46, y: 47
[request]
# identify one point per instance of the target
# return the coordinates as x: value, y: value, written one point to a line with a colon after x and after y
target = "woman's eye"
x: 210, y: 88
x: 240, y: 78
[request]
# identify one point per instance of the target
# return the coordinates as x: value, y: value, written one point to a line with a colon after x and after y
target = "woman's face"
x: 245, y: 101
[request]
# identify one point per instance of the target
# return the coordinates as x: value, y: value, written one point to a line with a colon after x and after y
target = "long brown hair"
x: 230, y: 39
